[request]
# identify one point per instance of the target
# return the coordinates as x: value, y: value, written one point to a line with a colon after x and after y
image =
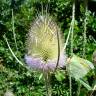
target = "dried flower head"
x: 42, y: 44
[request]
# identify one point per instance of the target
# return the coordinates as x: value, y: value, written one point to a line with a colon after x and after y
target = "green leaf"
x: 40, y: 77
x: 79, y: 67
x: 59, y: 75
x: 87, y: 86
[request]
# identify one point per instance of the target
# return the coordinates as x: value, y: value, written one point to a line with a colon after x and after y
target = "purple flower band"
x: 38, y: 63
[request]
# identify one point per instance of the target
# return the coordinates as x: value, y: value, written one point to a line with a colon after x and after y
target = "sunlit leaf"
x: 40, y: 77
x: 87, y: 86
x: 59, y: 75
x: 79, y: 67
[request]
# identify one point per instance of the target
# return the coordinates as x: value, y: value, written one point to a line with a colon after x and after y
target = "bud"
x: 42, y: 44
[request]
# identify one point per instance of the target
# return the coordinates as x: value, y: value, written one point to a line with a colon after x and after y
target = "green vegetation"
x: 15, y: 19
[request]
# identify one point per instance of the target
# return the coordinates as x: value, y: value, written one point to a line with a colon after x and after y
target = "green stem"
x: 73, y: 22
x: 85, y: 28
x: 94, y: 88
x: 69, y: 33
x: 48, y: 85
x: 79, y: 88
x: 84, y: 42
x: 85, y: 84
x: 72, y: 30
x: 13, y: 29
x: 13, y: 54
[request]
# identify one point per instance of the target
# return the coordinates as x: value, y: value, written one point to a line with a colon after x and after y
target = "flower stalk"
x: 47, y: 83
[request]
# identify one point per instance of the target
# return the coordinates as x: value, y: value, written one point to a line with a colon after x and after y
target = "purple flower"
x: 38, y: 63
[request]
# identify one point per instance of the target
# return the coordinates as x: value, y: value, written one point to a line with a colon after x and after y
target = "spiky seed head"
x: 42, y: 38
x: 42, y: 45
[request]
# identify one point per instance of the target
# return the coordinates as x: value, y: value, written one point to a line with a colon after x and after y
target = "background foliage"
x: 15, y: 77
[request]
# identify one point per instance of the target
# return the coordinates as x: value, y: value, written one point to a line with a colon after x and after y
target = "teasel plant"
x: 45, y: 47
x: 45, y: 50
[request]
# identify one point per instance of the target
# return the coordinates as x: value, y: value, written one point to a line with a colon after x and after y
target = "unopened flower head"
x: 42, y: 44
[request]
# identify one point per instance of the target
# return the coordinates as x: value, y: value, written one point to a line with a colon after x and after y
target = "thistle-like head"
x: 42, y: 42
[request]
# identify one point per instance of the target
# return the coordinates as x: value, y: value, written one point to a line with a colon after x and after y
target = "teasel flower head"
x: 42, y: 44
